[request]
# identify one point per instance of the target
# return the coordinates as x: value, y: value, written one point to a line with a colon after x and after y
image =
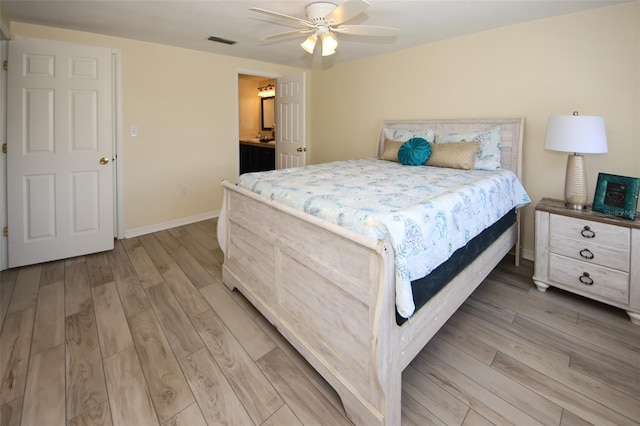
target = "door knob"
x: 104, y: 160
x: 300, y: 149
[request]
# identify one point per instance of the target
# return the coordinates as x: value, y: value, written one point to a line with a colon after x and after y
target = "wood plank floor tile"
x: 11, y: 413
x: 577, y: 403
x: 527, y: 401
x: 302, y: 364
x: 15, y: 342
x: 44, y: 401
x: 52, y: 273
x: 147, y: 272
x: 98, y: 269
x: 284, y: 416
x: 113, y: 330
x: 189, y: 297
x: 468, y: 343
x: 217, y: 401
x: 508, y: 355
x: 304, y: 399
x: 129, y: 397
x: 193, y: 269
x: 415, y: 414
x: 252, y: 338
x: 570, y: 419
x: 100, y: 415
x: 134, y: 299
x: 77, y: 290
x: 475, y: 419
x: 7, y: 284
x: 190, y: 416
x: 85, y: 375
x: 617, y: 373
x: 200, y: 253
x: 168, y: 388
x: 515, y: 344
x: 180, y: 332
x: 156, y: 251
x: 206, y: 239
x: 613, y: 398
x: 470, y: 392
x: 505, y: 296
x: 48, y: 330
x: 446, y: 407
x: 258, y: 396
x: 25, y: 292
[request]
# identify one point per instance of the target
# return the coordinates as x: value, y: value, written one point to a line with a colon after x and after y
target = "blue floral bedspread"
x: 425, y: 213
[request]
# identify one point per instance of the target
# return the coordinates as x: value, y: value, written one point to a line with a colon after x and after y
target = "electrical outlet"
x: 184, y: 190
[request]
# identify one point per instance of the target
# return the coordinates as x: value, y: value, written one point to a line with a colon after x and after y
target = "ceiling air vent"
x: 221, y: 40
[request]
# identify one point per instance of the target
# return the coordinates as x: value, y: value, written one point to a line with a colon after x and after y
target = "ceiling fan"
x: 324, y: 20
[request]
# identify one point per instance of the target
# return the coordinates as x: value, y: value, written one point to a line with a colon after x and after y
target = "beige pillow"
x: 455, y: 155
x: 390, y: 151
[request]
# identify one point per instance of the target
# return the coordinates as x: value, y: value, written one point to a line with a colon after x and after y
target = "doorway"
x: 256, y: 123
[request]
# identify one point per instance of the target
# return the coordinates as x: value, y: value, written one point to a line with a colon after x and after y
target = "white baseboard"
x: 131, y: 233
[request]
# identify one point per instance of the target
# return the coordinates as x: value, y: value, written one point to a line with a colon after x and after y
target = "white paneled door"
x: 290, y: 119
x: 60, y: 137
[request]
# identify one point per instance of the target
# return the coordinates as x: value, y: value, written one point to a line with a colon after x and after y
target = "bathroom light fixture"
x: 578, y: 134
x: 267, y: 91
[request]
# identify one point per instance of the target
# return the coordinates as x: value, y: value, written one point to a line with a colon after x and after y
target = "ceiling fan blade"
x: 346, y: 11
x: 301, y: 21
x: 366, y: 30
x: 287, y: 33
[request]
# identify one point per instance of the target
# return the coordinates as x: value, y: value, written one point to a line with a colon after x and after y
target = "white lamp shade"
x: 576, y: 133
x: 310, y: 43
x: 329, y: 44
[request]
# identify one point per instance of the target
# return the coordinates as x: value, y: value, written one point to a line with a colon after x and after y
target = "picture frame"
x: 616, y: 195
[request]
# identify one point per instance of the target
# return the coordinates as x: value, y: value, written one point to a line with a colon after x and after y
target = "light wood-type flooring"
x: 147, y: 334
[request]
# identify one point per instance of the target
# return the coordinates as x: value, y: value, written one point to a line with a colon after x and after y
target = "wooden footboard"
x: 331, y: 293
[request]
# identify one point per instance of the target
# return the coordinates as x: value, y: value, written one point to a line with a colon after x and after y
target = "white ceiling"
x: 187, y: 23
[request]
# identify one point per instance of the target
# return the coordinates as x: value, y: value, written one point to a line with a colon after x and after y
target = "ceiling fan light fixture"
x: 310, y: 43
x: 329, y: 44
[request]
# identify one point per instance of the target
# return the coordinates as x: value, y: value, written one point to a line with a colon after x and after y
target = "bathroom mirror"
x: 268, y: 113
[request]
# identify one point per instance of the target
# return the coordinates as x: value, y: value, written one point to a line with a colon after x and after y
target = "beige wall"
x: 589, y: 62
x: 184, y: 104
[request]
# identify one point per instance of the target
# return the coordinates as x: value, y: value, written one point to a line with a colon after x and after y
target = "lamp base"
x: 575, y: 206
x: 575, y: 184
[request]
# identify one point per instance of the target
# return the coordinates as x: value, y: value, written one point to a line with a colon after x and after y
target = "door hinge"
x: 5, y: 231
x: 5, y: 65
x: 4, y: 148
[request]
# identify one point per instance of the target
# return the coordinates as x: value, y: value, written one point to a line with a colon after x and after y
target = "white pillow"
x: 404, y: 135
x: 488, y: 157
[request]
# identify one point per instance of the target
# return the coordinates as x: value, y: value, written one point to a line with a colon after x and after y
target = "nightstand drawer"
x: 590, y: 252
x: 589, y: 231
x: 606, y: 283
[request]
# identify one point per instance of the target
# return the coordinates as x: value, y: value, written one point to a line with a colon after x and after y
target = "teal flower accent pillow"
x: 414, y: 152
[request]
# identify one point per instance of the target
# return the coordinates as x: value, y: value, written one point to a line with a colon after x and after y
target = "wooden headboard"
x: 511, y: 134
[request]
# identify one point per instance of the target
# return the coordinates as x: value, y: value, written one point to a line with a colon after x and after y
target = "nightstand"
x: 588, y: 253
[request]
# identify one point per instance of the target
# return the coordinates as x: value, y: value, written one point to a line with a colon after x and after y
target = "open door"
x: 290, y: 121
x: 60, y: 140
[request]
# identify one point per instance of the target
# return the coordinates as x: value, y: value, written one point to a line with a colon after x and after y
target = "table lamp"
x: 579, y: 134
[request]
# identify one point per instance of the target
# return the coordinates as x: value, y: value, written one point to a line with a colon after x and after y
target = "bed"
x: 321, y: 284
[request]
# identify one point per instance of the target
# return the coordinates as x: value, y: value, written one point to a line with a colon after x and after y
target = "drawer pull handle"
x: 587, y: 232
x: 586, y: 253
x: 586, y: 279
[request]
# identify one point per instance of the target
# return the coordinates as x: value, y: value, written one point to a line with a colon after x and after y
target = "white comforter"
x: 426, y: 213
